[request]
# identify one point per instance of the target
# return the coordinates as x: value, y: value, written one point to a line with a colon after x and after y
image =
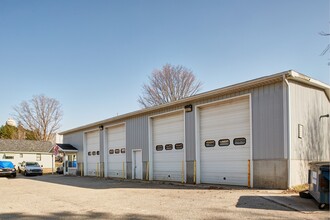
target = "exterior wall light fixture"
x: 188, y: 108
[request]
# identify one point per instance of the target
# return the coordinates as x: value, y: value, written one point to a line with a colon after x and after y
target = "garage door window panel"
x: 209, y: 143
x: 168, y: 146
x: 239, y: 141
x: 179, y: 146
x: 224, y: 142
x: 159, y: 147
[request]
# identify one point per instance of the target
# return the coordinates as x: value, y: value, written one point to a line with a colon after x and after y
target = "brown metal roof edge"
x: 239, y: 86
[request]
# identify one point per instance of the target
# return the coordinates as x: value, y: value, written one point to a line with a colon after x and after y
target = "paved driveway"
x: 62, y: 197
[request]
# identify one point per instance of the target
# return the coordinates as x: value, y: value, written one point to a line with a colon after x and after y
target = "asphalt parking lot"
x: 65, y: 197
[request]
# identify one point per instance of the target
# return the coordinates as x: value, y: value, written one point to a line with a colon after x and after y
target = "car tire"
x: 19, y: 170
x: 25, y: 174
x: 14, y: 175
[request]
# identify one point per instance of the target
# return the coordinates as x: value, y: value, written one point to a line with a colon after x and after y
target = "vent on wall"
x: 300, y: 131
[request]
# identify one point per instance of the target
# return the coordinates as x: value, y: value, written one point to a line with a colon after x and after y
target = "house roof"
x: 266, y: 80
x: 25, y: 146
x: 67, y: 148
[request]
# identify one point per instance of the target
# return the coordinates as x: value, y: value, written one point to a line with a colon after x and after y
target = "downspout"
x: 288, y: 124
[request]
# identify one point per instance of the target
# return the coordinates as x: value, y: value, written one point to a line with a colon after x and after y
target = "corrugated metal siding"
x: 267, y: 125
x: 267, y: 122
x: 76, y: 139
x: 307, y: 105
x: 190, y: 140
x: 137, y: 133
x: 137, y: 137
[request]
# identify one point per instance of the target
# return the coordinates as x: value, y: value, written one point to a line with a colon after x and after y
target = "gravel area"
x: 65, y: 197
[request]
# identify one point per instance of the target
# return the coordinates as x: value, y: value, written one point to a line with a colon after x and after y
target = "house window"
x: 224, y: 142
x: 8, y: 156
x: 21, y: 155
x: 178, y: 146
x: 239, y: 141
x: 38, y: 157
x: 210, y: 143
x: 159, y: 147
x: 168, y: 146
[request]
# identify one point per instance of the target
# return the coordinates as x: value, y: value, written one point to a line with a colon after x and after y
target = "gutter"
x: 309, y: 81
x: 288, y: 129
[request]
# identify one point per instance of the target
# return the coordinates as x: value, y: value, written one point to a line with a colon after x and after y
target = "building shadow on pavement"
x: 278, y: 202
x: 71, y: 215
x: 108, y: 183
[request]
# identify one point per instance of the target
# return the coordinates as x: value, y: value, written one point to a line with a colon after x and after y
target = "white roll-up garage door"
x: 116, y: 143
x: 225, y: 142
x: 168, y: 147
x: 93, y: 152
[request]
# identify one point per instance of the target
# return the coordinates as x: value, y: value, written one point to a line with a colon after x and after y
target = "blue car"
x: 7, y: 168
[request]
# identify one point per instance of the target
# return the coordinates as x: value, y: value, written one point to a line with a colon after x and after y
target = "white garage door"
x: 116, y: 142
x: 93, y: 152
x: 225, y: 142
x: 168, y: 152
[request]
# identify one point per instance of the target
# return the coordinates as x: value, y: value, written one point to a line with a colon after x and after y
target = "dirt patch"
x: 296, y: 189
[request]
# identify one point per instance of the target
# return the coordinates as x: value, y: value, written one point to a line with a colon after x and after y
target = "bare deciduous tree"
x: 328, y: 47
x: 41, y: 115
x: 169, y: 84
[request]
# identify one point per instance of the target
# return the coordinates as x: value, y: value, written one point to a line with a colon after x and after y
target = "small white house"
x: 18, y: 151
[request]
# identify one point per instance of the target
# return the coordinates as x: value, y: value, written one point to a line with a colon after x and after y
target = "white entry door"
x: 137, y: 164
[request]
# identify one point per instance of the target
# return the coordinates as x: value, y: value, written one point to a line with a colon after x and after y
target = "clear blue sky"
x: 94, y: 56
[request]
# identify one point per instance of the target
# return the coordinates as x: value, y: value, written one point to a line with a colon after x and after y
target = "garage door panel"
x: 168, y: 129
x: 92, y: 145
x: 166, y: 176
x: 116, y: 140
x: 227, y: 120
x: 238, y: 180
x: 214, y: 155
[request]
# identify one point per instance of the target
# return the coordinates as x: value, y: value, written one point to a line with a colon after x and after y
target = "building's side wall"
x: 307, y: 105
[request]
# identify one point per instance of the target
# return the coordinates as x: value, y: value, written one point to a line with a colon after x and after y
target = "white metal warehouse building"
x: 259, y: 133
